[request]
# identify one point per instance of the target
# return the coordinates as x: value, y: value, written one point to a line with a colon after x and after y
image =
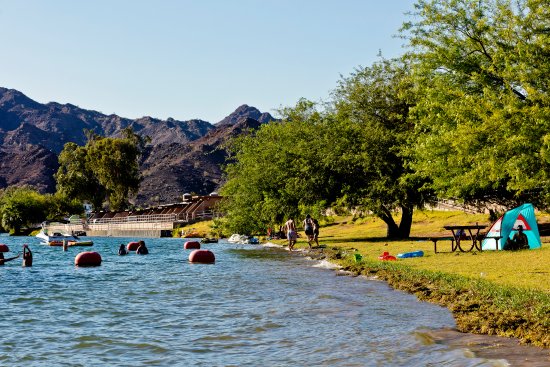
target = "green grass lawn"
x: 526, y: 269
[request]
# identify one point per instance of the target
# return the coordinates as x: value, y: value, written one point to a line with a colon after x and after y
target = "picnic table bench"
x: 462, y: 233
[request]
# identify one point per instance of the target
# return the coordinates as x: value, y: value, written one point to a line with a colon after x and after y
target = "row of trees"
x: 464, y: 114
x: 23, y: 207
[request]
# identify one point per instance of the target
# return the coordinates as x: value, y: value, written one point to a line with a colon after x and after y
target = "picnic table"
x: 459, y: 235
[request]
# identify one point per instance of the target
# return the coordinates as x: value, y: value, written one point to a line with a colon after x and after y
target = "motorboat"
x: 57, y: 239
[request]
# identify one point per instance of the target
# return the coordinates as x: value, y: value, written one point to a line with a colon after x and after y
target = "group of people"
x: 311, y: 229
x: 27, y: 257
x: 141, y: 249
x: 27, y: 253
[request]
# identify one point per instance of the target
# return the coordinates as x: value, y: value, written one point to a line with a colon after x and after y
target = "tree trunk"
x: 393, y: 229
x: 406, y: 221
x: 404, y: 228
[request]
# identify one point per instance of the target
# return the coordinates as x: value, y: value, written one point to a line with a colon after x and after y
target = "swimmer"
x: 122, y: 250
x: 4, y: 260
x: 142, y: 249
x: 27, y: 256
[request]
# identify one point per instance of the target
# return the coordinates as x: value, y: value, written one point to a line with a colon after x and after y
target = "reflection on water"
x: 253, y: 306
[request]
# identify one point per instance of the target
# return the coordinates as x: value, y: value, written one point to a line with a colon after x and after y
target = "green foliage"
x: 104, y: 169
x: 275, y: 172
x: 483, y: 110
x: 20, y: 207
x: 76, y: 178
x: 23, y: 207
x: 60, y: 206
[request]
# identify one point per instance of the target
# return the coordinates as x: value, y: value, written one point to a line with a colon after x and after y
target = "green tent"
x: 507, y: 226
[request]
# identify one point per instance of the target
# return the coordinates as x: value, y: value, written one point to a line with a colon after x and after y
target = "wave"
x: 324, y: 264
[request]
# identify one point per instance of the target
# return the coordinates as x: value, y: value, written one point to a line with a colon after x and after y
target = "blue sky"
x: 190, y: 59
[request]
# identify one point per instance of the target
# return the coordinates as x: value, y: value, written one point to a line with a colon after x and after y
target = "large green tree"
x: 104, y: 169
x: 483, y: 112
x: 373, y: 107
x: 349, y: 151
x: 76, y: 178
x: 271, y: 174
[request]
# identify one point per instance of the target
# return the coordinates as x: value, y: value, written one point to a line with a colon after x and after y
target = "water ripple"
x: 255, y: 304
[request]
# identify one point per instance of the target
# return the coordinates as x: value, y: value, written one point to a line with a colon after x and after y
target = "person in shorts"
x: 291, y: 235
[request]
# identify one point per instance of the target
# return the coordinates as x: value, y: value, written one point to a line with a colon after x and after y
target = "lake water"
x: 254, y: 306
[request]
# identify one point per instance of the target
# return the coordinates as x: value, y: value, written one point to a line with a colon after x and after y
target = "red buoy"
x: 386, y: 257
x: 89, y: 258
x: 202, y: 256
x: 4, y: 248
x: 191, y: 245
x: 132, y: 246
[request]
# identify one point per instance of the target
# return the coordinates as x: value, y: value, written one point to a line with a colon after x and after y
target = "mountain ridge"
x: 183, y: 156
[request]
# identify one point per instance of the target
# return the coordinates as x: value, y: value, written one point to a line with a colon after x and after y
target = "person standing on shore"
x: 27, y: 256
x: 308, y: 229
x: 316, y: 231
x: 291, y: 235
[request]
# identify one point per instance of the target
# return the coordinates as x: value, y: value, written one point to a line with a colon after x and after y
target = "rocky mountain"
x: 194, y: 167
x: 183, y: 156
x: 26, y: 164
x: 246, y: 111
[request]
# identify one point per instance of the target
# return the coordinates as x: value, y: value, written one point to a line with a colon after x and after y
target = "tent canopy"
x: 507, y: 226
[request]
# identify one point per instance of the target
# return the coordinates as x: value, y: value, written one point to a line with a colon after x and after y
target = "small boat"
x: 71, y: 243
x: 209, y: 240
x: 55, y: 237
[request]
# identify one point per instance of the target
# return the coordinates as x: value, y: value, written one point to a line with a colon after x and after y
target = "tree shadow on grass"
x: 373, y: 239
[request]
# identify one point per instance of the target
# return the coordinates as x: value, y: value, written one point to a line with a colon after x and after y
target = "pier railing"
x: 155, y: 218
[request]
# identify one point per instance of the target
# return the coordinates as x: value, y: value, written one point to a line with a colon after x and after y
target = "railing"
x: 154, y: 218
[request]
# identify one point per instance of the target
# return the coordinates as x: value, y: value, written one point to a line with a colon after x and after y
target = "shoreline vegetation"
x: 491, y: 292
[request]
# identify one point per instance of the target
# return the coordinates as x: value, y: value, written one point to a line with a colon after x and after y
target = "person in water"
x: 4, y: 260
x: 122, y: 250
x: 27, y: 256
x: 142, y: 249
